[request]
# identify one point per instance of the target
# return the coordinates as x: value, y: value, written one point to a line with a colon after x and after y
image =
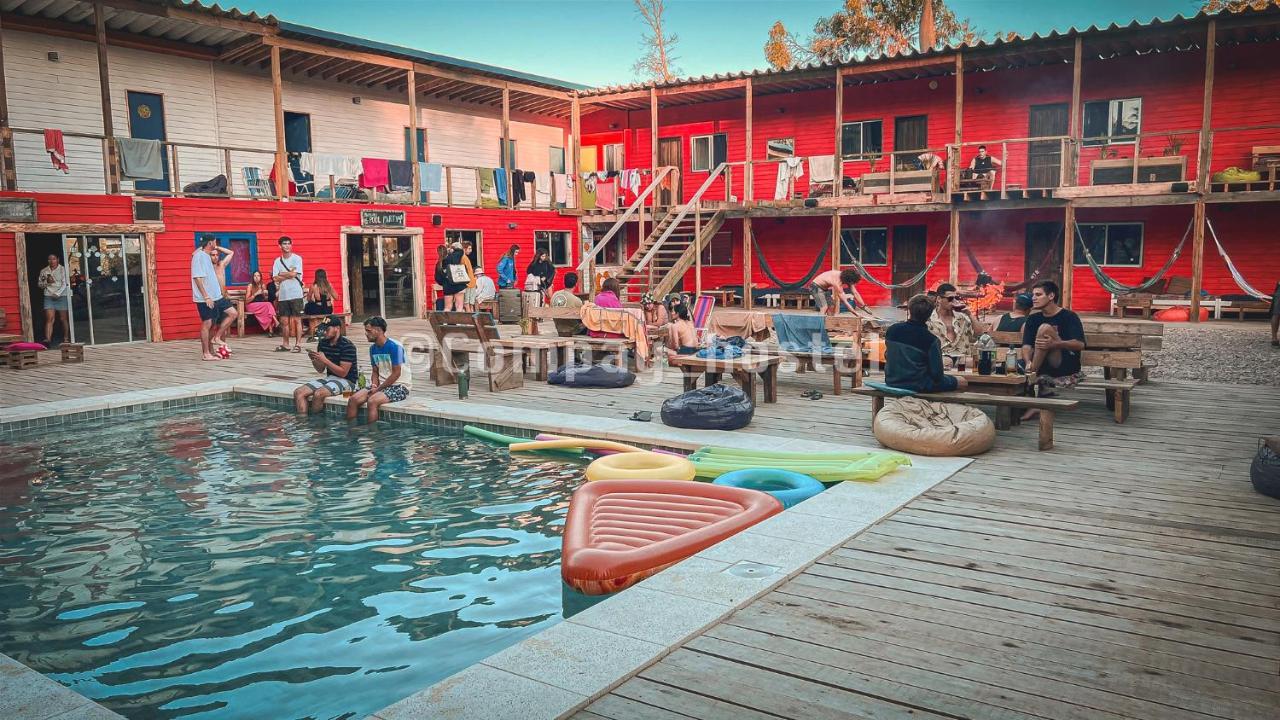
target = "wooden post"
x: 1202, y: 171
x: 1075, y: 123
x: 653, y: 128
x: 507, y: 161
x: 1068, y: 254
x: 953, y: 271
x: 835, y: 241
x: 749, y: 171
x: 153, y: 286
x: 412, y: 91
x: 24, y: 288
x: 575, y: 164
x: 9, y: 180
x: 176, y: 180
x: 277, y: 97
x: 226, y: 169
x: 697, y: 249
x: 104, y: 84
x: 838, y: 186
x: 960, y: 99
x: 747, y: 304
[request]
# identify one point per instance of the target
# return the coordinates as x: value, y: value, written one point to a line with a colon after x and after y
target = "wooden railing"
x: 693, y: 204
x: 1248, y: 147
x: 659, y: 175
x: 1016, y: 164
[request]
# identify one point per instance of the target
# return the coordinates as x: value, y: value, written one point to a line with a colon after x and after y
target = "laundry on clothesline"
x: 322, y: 165
x: 400, y: 174
x: 56, y: 146
x: 488, y: 188
x: 500, y: 185
x: 140, y: 159
x: 374, y: 173
x: 788, y: 171
x: 822, y: 168
x: 431, y: 174
x: 607, y: 195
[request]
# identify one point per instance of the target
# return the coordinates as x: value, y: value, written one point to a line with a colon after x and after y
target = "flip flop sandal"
x: 815, y: 395
x: 641, y: 416
x: 297, y: 349
x: 282, y: 348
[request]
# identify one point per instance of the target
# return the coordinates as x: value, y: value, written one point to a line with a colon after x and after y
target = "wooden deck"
x: 1130, y: 573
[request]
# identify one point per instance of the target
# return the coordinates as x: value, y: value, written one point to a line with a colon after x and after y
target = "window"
x: 502, y: 156
x: 422, y: 145
x: 869, y: 246
x: 471, y: 236
x: 615, y: 253
x: 709, y: 151
x: 613, y: 159
x: 245, y: 246
x: 719, y: 252
x: 1112, y: 121
x: 554, y: 242
x: 860, y: 139
x: 780, y: 149
x: 1118, y: 244
x: 555, y: 157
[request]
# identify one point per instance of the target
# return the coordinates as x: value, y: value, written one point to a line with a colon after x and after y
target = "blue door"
x: 146, y: 121
x: 297, y: 140
x: 422, y: 152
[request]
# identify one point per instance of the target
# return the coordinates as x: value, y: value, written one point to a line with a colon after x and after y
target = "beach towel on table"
x: 624, y: 323
x: 802, y: 333
x: 749, y: 326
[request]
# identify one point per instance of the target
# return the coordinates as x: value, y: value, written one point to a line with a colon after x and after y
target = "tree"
x: 657, y: 62
x: 1213, y: 6
x: 884, y: 27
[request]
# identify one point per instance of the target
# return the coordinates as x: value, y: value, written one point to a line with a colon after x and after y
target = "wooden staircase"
x: 669, y: 259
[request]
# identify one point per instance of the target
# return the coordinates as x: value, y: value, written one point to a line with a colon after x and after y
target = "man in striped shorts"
x: 335, y: 356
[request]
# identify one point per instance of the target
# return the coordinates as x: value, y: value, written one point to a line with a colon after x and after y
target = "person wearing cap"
x: 335, y: 356
x: 1014, y: 320
x: 485, y: 289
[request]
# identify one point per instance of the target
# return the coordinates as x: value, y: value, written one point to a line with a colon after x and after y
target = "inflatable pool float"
x: 643, y: 465
x: 619, y: 532
x: 931, y: 428
x: 712, y: 462
x: 508, y: 440
x: 788, y: 488
x: 523, y: 445
x: 598, y: 451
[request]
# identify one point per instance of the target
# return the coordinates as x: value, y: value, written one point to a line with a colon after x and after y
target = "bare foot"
x: 1030, y: 414
x: 211, y: 357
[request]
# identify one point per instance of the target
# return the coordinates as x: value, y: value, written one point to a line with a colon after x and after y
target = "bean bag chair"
x: 1179, y: 314
x: 922, y: 427
x: 1265, y: 470
x: 592, y: 376
x: 719, y: 407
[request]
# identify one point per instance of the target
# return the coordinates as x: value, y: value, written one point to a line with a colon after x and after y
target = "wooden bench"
x: 457, y: 335
x: 1047, y: 406
x: 623, y: 350
x: 1140, y: 302
x: 1118, y: 354
x: 743, y: 369
x: 539, y: 353
x: 903, y: 181
x: 1117, y: 392
x: 1240, y: 307
x: 845, y: 362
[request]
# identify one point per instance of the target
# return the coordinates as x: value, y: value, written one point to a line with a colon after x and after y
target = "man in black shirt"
x: 1052, y: 340
x: 335, y: 356
x: 1014, y: 321
x: 913, y: 355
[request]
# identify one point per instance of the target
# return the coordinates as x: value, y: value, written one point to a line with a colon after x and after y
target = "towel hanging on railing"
x: 1235, y: 273
x: 1115, y: 287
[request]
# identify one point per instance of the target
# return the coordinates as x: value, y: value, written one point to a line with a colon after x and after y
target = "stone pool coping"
x: 567, y: 666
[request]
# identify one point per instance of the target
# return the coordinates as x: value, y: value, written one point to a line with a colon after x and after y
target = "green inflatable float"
x: 712, y: 462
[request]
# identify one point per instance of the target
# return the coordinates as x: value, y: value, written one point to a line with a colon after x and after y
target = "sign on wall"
x: 382, y: 218
x: 18, y: 210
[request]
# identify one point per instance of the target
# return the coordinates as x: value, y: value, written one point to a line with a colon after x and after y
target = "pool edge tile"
x: 577, y: 658
x: 28, y: 695
x: 488, y: 693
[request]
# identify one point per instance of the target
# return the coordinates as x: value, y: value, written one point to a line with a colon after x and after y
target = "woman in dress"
x: 319, y: 297
x: 257, y: 302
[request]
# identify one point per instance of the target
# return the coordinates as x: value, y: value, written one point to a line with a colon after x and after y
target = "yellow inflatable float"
x: 583, y: 443
x: 641, y: 465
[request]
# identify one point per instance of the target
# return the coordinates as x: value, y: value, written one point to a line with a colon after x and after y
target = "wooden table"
x: 723, y: 297
x: 744, y: 370
x: 538, y: 353
x: 1007, y: 385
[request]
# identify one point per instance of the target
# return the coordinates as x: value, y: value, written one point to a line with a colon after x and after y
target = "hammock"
x: 803, y: 282
x: 1035, y: 274
x: 1115, y: 287
x: 909, y: 283
x: 1235, y: 273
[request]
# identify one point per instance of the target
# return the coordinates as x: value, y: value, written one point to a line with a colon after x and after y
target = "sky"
x: 596, y: 42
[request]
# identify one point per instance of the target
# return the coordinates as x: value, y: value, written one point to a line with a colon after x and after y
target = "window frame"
x: 1109, y: 139
x: 862, y: 139
x: 861, y: 245
x: 619, y: 157
x: 552, y: 163
x: 709, y: 138
x: 477, y: 262
x: 1080, y: 261
x: 568, y: 246
x: 224, y: 239
x: 619, y: 246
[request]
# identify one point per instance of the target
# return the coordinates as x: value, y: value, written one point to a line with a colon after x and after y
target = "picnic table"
x: 539, y: 353
x: 1003, y: 386
x: 723, y: 296
x: 743, y: 369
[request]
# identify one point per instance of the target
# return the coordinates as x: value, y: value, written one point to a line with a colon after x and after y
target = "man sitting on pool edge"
x: 391, y: 379
x: 913, y: 355
x: 335, y: 356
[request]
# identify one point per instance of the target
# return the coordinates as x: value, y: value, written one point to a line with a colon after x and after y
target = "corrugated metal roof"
x: 1031, y: 43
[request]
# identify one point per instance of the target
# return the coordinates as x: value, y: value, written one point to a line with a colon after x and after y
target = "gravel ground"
x: 1225, y: 351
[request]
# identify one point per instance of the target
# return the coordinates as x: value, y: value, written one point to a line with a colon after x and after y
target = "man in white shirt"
x: 287, y: 272
x: 486, y: 290
x: 213, y: 308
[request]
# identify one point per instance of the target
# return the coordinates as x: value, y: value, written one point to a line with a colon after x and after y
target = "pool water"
x: 236, y: 561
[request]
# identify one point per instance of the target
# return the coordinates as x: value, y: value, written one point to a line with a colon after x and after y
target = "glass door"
x: 108, y: 291
x: 397, y: 275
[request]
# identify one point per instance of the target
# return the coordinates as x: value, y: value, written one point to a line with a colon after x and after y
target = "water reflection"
x: 236, y: 561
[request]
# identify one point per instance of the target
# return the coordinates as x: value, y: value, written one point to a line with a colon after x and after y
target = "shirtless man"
x: 682, y: 336
x: 834, y: 282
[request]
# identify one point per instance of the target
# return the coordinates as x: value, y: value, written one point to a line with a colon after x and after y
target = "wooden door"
x: 1044, y: 238
x: 910, y: 133
x: 669, y: 155
x: 1044, y: 159
x: 908, y: 259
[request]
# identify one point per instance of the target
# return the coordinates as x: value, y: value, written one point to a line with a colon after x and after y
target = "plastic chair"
x: 258, y: 185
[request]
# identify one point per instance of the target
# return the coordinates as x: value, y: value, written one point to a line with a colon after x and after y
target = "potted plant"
x: 1174, y: 148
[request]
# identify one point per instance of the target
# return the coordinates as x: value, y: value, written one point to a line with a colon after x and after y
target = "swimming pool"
x: 234, y: 560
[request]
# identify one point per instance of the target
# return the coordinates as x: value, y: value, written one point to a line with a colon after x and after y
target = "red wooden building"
x: 1118, y: 133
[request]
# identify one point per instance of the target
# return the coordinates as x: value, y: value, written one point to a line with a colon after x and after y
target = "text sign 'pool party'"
x: 382, y: 218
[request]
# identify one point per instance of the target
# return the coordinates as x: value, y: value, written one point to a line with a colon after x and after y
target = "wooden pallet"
x: 72, y: 352
x: 22, y: 359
